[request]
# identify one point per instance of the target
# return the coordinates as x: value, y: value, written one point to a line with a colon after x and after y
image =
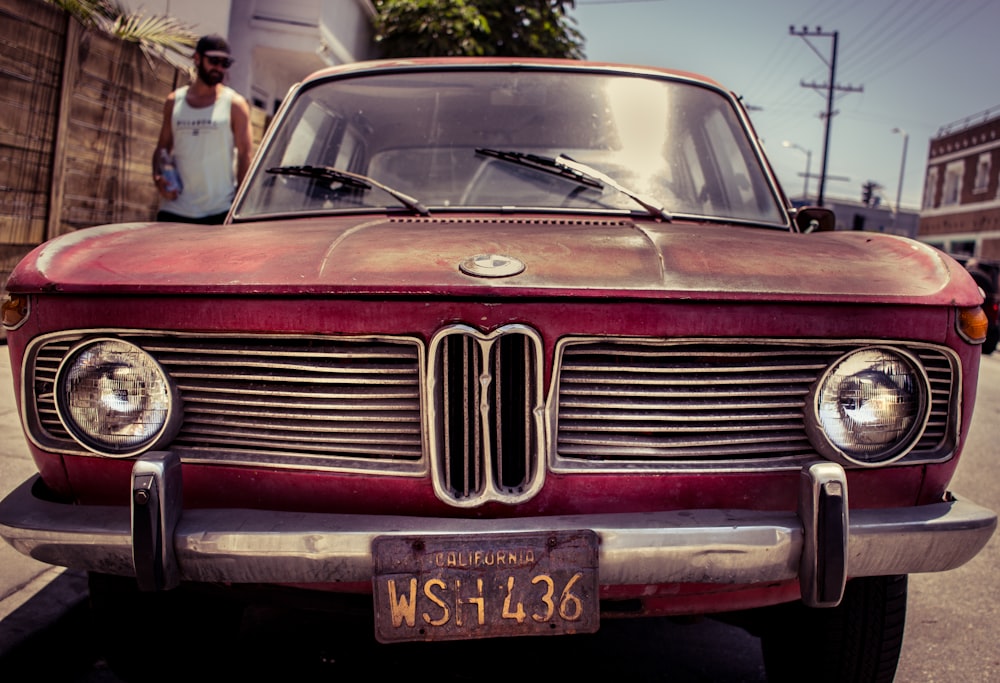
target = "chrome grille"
x: 279, y: 399
x: 486, y: 429
x: 357, y: 403
x: 708, y: 402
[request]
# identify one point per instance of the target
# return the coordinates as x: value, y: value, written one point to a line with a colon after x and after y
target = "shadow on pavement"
x: 303, y: 646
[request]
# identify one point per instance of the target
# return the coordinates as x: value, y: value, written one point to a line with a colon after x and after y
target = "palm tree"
x: 158, y: 35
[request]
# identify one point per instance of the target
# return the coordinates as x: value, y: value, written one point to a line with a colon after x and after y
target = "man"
x: 203, y: 124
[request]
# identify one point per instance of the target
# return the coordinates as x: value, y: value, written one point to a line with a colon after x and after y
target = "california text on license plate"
x: 483, y: 586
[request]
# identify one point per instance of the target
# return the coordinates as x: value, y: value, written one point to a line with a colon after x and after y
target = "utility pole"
x: 902, y: 169
x: 830, y: 87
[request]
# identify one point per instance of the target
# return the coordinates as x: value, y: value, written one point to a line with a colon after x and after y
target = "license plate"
x: 485, y: 586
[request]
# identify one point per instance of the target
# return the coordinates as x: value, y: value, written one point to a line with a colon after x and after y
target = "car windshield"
x: 429, y: 141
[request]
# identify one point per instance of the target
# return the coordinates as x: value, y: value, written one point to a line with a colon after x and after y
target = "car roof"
x: 465, y: 63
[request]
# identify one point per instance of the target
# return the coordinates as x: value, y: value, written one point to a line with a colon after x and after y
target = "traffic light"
x: 868, y: 191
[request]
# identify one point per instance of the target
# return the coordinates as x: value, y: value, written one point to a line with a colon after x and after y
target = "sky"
x: 911, y: 65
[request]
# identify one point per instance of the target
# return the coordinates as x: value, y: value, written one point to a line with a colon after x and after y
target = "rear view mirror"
x: 815, y: 219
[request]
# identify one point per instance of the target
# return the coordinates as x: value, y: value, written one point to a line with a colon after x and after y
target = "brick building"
x: 960, y: 211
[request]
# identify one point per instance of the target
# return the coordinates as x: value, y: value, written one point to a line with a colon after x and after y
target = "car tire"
x: 858, y: 641
x: 173, y: 635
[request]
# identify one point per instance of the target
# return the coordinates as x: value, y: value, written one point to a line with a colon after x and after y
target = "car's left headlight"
x: 870, y: 407
x: 115, y: 399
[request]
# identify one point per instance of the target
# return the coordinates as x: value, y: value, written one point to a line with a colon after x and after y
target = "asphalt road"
x: 953, y: 618
x: 951, y: 633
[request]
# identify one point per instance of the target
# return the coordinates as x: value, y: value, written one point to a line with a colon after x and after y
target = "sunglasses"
x: 224, y: 62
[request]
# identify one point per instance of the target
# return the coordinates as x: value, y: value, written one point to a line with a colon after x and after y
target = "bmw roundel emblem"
x: 491, y: 265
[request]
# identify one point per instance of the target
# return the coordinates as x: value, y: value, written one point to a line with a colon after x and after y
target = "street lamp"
x: 805, y: 187
x: 902, y: 168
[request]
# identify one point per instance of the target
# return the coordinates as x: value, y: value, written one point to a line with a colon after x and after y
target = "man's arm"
x: 242, y: 137
x: 164, y: 142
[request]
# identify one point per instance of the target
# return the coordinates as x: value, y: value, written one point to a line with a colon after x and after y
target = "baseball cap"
x: 213, y: 45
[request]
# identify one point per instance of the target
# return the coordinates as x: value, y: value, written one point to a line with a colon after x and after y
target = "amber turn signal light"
x: 15, y: 310
x: 972, y: 324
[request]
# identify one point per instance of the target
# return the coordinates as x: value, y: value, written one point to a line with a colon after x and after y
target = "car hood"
x: 469, y: 256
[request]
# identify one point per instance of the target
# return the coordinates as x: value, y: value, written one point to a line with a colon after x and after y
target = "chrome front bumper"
x: 821, y: 544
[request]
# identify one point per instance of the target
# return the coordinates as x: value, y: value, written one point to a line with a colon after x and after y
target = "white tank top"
x: 205, y: 156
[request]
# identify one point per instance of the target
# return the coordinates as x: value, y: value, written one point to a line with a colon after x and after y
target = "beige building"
x: 873, y: 217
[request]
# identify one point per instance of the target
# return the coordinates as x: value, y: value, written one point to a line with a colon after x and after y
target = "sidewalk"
x: 33, y: 594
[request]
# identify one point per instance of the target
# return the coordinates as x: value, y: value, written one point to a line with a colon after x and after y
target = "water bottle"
x: 168, y: 169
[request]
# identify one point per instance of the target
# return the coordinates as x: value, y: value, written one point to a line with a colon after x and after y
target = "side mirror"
x: 815, y: 219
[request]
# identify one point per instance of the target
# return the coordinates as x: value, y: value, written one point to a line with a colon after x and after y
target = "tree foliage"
x: 477, y: 28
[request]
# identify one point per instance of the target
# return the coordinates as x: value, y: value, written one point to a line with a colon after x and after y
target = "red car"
x: 504, y: 348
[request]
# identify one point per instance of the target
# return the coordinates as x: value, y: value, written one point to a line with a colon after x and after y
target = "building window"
x: 952, y: 192
x: 930, y: 187
x: 962, y: 247
x: 982, y: 173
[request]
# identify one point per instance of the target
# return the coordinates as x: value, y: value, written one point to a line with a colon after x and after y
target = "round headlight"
x: 114, y: 398
x: 870, y: 407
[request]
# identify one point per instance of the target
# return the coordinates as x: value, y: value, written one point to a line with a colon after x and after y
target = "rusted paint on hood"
x: 563, y: 257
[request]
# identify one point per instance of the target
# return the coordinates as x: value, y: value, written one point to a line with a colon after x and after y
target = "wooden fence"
x: 79, y: 118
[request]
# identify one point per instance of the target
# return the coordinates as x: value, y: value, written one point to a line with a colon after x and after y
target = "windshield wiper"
x: 355, y: 180
x: 544, y: 164
x: 653, y: 206
x: 567, y: 168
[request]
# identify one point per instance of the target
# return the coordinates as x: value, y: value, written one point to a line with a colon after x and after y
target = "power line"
x: 911, y: 28
x: 941, y: 25
x: 615, y: 2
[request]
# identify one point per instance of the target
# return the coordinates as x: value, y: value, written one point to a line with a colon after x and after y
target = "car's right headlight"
x: 870, y: 407
x: 115, y: 399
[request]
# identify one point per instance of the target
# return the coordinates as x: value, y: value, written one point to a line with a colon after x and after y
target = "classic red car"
x: 505, y: 348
